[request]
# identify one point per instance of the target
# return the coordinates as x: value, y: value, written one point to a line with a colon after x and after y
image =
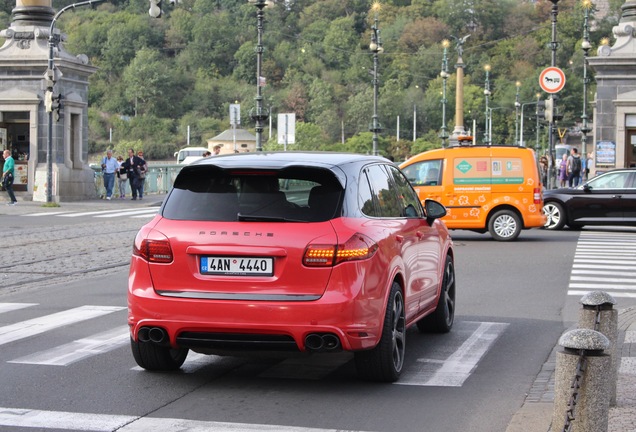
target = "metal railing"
x: 159, y: 179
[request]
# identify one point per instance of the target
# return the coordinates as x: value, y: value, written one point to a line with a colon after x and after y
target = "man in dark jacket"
x: 134, y: 165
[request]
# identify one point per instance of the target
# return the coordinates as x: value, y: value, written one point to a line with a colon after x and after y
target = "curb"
x: 535, y: 415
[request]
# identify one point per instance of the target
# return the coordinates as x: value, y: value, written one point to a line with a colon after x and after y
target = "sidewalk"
x: 536, y: 413
x: 24, y: 207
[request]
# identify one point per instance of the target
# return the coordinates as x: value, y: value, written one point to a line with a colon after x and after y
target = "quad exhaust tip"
x: 156, y: 335
x: 320, y: 342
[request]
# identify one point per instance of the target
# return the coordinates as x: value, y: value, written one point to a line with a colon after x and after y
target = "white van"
x: 192, y: 153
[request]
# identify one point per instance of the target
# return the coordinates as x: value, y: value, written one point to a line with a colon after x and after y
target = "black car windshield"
x: 209, y: 193
x: 612, y: 180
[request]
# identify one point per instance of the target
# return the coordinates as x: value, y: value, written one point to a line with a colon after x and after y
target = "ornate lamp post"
x: 376, y: 48
x: 52, y: 102
x: 444, y: 74
x: 487, y: 137
x: 259, y: 114
x: 586, y: 46
x: 517, y: 106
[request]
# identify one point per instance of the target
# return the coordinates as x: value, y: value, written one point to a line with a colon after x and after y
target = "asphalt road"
x: 66, y: 363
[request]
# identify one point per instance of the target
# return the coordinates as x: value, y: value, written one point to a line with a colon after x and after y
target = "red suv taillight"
x: 155, y: 251
x: 358, y: 247
x: 537, y: 195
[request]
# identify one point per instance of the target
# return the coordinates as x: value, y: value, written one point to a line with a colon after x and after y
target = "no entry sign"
x: 552, y: 80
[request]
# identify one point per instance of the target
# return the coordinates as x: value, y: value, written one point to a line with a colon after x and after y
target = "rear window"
x: 208, y: 193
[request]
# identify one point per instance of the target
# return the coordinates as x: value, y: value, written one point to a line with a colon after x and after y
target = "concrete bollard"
x: 601, y: 304
x: 581, y: 395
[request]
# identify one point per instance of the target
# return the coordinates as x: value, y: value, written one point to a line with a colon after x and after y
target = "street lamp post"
x: 490, y: 110
x: 259, y: 114
x: 444, y: 74
x: 376, y: 48
x: 585, y: 45
x: 553, y: 46
x: 517, y: 105
x: 487, y: 137
x: 49, y: 98
x: 537, y: 147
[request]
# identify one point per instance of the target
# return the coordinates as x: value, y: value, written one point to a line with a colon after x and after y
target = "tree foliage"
x: 156, y: 77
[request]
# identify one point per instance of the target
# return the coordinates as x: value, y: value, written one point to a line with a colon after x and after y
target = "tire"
x: 504, y: 225
x: 442, y: 319
x: 153, y: 357
x: 384, y: 363
x: 555, y: 215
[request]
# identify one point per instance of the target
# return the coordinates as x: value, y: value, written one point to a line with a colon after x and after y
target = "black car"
x: 608, y: 199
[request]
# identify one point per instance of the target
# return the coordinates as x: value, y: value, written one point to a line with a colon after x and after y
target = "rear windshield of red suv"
x: 209, y: 193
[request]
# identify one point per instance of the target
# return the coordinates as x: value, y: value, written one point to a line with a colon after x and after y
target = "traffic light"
x: 540, y: 108
x: 56, y: 105
x: 155, y: 8
x: 549, y: 109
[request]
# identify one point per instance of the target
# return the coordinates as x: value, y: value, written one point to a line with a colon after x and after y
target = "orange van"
x: 484, y: 188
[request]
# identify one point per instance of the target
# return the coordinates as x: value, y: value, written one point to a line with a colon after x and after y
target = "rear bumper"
x: 350, y: 311
x: 534, y: 220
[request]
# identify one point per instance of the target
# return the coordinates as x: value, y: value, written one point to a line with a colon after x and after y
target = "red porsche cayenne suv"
x: 296, y: 252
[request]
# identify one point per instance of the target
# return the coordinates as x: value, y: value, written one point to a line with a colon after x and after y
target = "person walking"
x: 132, y: 166
x: 7, y: 176
x: 574, y: 168
x: 563, y: 174
x: 143, y: 170
x: 109, y: 168
x: 122, y: 177
x: 589, y: 165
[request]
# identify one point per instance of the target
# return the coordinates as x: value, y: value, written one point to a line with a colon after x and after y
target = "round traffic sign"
x: 552, y: 80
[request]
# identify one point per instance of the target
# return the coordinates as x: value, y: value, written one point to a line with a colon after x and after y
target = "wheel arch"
x: 505, y: 207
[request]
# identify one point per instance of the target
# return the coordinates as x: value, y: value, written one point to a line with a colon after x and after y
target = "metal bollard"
x: 581, y: 393
x: 598, y: 314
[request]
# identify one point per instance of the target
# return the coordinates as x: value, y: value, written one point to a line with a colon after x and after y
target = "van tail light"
x: 537, y: 196
x: 152, y: 250
x: 358, y: 247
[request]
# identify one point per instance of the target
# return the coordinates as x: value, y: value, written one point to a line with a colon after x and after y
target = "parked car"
x: 495, y: 189
x: 607, y: 199
x: 290, y: 252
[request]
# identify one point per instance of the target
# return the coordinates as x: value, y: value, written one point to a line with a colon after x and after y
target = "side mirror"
x: 434, y: 210
x: 587, y: 187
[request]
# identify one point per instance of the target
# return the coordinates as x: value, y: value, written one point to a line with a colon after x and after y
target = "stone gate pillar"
x: 615, y: 101
x: 23, y: 120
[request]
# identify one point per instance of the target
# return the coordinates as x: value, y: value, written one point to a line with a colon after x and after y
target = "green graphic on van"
x: 464, y: 166
x: 488, y: 180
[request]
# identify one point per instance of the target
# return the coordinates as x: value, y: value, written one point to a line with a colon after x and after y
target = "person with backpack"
x: 574, y: 168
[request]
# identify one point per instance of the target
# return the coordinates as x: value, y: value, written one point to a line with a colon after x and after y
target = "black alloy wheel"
x: 442, y: 319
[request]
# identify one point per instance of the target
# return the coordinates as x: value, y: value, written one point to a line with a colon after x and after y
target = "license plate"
x: 237, y: 266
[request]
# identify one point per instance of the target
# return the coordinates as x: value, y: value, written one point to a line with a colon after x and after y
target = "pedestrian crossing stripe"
x: 457, y: 368
x: 8, y: 307
x: 130, y: 212
x: 604, y: 261
x: 35, y: 326
x: 60, y: 420
x: 80, y: 349
x: 451, y: 366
